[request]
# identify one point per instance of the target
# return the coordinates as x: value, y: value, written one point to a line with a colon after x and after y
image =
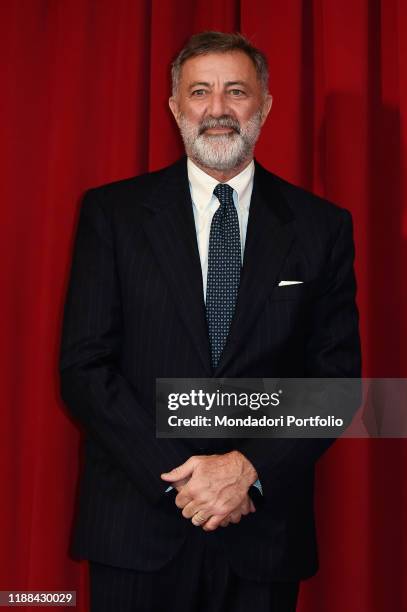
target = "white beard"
x: 220, y: 151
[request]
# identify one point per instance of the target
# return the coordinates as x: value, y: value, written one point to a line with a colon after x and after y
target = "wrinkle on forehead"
x: 233, y: 67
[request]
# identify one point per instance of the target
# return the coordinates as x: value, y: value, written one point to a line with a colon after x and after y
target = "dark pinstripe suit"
x: 135, y: 311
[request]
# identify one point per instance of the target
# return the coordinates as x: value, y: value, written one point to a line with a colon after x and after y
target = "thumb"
x: 181, y: 471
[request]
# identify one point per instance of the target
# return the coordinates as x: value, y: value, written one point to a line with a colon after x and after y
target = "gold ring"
x: 199, y: 520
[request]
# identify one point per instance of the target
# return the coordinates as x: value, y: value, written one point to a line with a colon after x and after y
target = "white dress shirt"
x: 205, y: 204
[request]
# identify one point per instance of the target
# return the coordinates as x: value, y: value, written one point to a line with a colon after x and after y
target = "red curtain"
x: 84, y: 102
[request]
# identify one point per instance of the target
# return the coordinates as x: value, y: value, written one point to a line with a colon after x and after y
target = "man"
x: 158, y: 289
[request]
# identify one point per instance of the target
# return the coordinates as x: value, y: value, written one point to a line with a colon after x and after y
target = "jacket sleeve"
x: 95, y: 391
x: 332, y: 351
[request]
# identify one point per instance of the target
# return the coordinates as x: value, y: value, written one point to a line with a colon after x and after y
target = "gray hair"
x: 219, y: 42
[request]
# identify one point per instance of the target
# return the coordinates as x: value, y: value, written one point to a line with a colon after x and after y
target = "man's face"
x: 220, y: 107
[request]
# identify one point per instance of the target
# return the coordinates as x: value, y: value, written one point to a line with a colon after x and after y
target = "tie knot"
x: 224, y: 193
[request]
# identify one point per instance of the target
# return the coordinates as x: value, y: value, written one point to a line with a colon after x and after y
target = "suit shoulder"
x: 129, y: 191
x: 305, y: 204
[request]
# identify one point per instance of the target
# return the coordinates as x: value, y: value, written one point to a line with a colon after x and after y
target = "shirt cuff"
x: 258, y: 486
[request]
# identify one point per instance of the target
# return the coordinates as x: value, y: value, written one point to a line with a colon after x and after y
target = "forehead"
x: 228, y: 66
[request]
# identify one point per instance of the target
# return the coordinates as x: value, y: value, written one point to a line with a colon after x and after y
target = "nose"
x: 217, y: 105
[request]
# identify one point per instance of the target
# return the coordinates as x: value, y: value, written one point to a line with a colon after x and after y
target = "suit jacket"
x: 135, y: 311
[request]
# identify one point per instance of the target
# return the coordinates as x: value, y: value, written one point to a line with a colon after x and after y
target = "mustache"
x: 225, y: 121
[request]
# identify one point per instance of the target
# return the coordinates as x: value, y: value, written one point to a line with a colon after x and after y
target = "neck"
x: 222, y: 176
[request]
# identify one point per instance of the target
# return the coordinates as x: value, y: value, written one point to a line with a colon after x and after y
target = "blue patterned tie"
x: 224, y: 266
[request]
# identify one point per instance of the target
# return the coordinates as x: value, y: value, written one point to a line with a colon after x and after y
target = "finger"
x: 190, y: 509
x: 252, y: 506
x: 183, y: 498
x: 225, y: 520
x: 199, y: 519
x: 235, y: 517
x: 181, y: 471
x: 213, y: 522
x: 179, y: 484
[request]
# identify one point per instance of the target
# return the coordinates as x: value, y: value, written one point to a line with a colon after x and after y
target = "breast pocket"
x: 296, y: 291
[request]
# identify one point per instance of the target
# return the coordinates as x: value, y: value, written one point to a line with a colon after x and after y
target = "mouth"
x: 218, y: 131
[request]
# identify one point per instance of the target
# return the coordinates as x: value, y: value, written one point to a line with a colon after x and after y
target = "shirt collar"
x: 202, y: 185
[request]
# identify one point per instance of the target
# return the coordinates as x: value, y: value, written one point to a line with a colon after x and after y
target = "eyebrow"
x: 230, y: 83
x: 201, y: 83
x: 206, y: 84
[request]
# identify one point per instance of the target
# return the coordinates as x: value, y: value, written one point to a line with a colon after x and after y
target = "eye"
x: 199, y: 92
x: 237, y: 93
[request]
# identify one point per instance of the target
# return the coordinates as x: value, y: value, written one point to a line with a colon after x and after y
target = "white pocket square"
x: 284, y: 283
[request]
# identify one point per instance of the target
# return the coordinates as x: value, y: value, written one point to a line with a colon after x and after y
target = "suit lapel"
x: 170, y: 228
x: 269, y: 236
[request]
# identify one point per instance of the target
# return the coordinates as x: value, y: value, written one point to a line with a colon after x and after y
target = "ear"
x: 266, y: 107
x: 173, y: 104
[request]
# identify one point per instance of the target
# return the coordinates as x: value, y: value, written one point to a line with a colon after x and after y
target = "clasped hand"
x: 213, y: 489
